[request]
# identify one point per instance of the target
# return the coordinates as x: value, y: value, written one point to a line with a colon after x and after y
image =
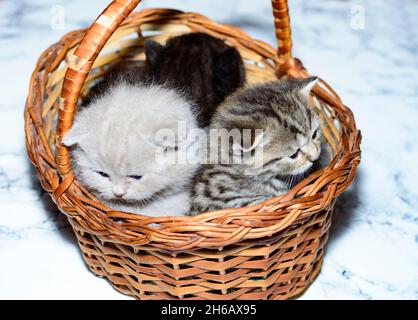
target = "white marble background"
x: 373, y: 248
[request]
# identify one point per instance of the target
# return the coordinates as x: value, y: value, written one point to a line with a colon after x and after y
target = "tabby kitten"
x: 204, y: 67
x: 287, y: 146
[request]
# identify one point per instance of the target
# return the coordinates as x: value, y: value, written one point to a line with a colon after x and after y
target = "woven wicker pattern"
x: 272, y: 250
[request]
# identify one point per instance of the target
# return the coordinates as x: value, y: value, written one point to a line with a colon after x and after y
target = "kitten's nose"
x: 118, y: 194
x: 118, y: 191
x: 311, y: 157
x: 311, y: 153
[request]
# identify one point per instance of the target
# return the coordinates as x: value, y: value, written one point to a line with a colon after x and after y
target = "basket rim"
x: 210, y: 229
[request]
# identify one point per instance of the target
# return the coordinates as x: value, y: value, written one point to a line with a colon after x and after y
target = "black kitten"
x: 205, y: 67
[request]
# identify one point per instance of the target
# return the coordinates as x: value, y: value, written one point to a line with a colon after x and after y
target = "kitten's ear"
x: 74, y: 136
x: 307, y: 85
x: 152, y: 51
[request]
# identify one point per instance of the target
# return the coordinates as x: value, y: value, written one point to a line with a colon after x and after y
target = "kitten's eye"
x: 135, y: 177
x: 315, y: 134
x: 104, y: 175
x: 295, y: 155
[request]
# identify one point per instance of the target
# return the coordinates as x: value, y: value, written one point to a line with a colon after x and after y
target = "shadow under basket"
x: 272, y: 250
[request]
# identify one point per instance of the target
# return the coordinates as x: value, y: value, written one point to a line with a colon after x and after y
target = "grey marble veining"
x: 373, y: 245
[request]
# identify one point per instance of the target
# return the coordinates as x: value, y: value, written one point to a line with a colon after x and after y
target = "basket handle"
x: 90, y: 46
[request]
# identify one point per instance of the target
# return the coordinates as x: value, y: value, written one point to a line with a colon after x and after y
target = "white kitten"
x: 115, y: 146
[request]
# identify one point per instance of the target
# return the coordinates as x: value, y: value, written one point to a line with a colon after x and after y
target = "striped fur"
x: 293, y: 145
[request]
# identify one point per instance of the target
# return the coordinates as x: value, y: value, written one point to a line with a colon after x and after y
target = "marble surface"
x: 367, y: 50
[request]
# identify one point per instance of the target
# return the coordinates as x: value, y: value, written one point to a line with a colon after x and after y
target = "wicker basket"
x: 272, y: 250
